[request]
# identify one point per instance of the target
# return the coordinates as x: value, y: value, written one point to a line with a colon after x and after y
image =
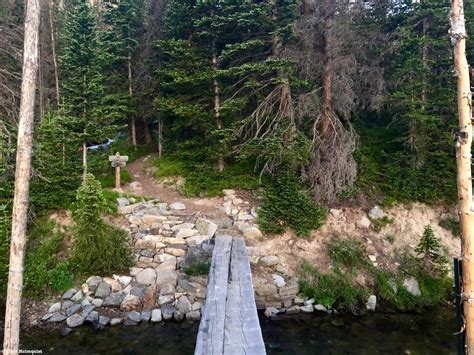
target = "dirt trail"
x: 168, y: 193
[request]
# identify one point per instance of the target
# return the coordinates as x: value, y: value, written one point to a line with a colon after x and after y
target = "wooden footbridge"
x: 229, y: 323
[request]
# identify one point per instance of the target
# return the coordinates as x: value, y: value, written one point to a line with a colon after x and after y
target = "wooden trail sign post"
x: 118, y: 161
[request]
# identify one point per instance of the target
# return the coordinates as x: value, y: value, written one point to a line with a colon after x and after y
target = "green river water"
x: 428, y: 333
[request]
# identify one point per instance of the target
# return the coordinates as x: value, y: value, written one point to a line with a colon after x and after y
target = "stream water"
x: 429, y: 333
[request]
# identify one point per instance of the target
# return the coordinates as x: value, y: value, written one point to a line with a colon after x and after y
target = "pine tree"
x: 429, y: 250
x: 123, y: 25
x: 83, y: 90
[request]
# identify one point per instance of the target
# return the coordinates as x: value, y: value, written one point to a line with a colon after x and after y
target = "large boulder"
x: 371, y: 303
x: 156, y: 316
x: 183, y: 306
x: 147, y: 276
x: 252, y: 232
x: 103, y: 290
x: 206, y: 227
x: 412, y: 286
x: 166, y: 277
x: 131, y: 303
x: 74, y: 321
x: 113, y: 300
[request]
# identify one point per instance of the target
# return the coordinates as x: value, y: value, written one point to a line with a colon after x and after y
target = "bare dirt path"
x: 168, y: 193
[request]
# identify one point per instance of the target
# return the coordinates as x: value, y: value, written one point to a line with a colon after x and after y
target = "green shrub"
x: 332, y: 289
x: 349, y: 253
x: 99, y: 248
x: 451, y: 224
x: 391, y: 238
x: 44, y: 271
x: 286, y: 205
x: 200, y: 268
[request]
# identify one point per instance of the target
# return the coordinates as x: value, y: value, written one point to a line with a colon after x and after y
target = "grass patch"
x: 202, y: 179
x: 337, y: 289
x: 200, y: 268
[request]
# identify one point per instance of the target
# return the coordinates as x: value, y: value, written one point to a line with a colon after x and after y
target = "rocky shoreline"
x: 168, y: 240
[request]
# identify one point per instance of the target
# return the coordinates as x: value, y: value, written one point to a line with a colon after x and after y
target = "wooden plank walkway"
x: 229, y: 323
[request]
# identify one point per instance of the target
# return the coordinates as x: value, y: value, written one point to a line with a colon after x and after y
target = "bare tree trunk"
x: 84, y: 161
x: 146, y: 130
x: 217, y: 106
x: 160, y: 138
x: 133, y: 127
x: 463, y: 159
x: 22, y: 179
x: 41, y: 81
x: 327, y: 104
x: 53, y: 47
x: 424, y: 58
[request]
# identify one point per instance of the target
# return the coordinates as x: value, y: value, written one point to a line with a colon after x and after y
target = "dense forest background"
x: 344, y: 100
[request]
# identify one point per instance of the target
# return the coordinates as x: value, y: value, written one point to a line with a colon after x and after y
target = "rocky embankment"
x: 168, y: 242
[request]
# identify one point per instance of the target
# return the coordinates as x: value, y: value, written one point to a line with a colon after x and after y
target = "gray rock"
x: 164, y: 299
x: 278, y: 281
x: 371, y: 303
x: 270, y: 260
x: 104, y: 320
x: 193, y: 316
x: 270, y: 311
x: 206, y: 227
x: 166, y: 277
x: 184, y: 306
x: 307, y: 309
x: 146, y: 315
x: 177, y: 206
x: 115, y: 321
x: 123, y: 201
x: 87, y: 310
x: 66, y: 304
x: 75, y: 321
x: 320, y: 308
x: 69, y: 293
x: 310, y: 301
x: 376, y: 213
x: 93, y: 317
x: 363, y: 223
x: 103, y: 290
x: 73, y: 309
x: 114, y: 299
x: 46, y: 316
x: 167, y: 311
x: 85, y: 302
x: 135, y: 185
x: 55, y: 307
x: 156, y: 316
x: 56, y: 317
x: 97, y: 302
x: 78, y: 296
x: 138, y: 291
x: 93, y: 282
x: 134, y: 316
x: 412, y: 286
x: 147, y: 276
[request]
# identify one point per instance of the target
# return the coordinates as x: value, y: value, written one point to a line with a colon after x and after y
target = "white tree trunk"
x: 463, y: 159
x: 22, y: 178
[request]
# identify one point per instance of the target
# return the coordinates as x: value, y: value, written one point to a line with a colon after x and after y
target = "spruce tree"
x: 83, y: 90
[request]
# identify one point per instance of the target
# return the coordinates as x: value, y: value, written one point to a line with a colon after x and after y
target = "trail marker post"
x: 118, y: 161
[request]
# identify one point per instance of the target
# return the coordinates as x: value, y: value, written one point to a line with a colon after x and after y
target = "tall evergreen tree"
x: 84, y: 93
